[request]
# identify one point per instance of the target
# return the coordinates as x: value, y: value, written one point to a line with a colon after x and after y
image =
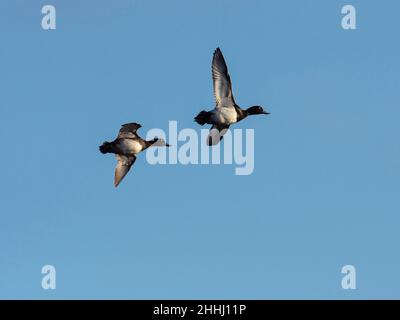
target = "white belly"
x: 224, y: 115
x: 129, y: 146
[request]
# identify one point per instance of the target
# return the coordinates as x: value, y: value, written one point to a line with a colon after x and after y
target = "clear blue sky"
x: 324, y: 193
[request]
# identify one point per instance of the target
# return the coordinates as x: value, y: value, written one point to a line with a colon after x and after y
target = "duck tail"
x: 106, y: 147
x: 203, y: 117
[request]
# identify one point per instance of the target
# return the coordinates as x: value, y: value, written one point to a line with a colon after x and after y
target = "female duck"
x: 126, y: 146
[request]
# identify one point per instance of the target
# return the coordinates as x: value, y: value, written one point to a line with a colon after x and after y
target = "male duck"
x: 226, y: 111
x: 126, y: 146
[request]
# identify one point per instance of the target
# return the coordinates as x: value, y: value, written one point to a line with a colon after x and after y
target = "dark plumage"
x: 203, y: 117
x: 106, y: 147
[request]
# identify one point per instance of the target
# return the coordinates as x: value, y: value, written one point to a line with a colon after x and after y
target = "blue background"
x: 324, y: 193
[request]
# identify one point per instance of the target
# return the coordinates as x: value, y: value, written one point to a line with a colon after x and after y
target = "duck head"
x: 256, y: 110
x: 157, y: 142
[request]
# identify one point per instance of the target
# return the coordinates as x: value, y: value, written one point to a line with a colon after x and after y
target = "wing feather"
x: 122, y: 168
x: 222, y: 81
x: 216, y: 134
x: 128, y: 130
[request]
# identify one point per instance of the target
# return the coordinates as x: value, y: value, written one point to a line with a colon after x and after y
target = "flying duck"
x: 126, y: 146
x: 226, y: 111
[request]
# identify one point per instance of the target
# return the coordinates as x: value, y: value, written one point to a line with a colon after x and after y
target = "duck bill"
x: 265, y: 112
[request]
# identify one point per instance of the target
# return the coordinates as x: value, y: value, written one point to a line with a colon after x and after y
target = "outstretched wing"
x: 122, y: 168
x: 216, y: 134
x: 128, y: 130
x: 222, y: 81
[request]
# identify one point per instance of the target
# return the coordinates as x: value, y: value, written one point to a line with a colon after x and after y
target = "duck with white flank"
x: 226, y: 111
x: 127, y: 145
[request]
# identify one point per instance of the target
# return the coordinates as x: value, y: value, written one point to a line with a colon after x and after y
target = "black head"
x: 256, y: 110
